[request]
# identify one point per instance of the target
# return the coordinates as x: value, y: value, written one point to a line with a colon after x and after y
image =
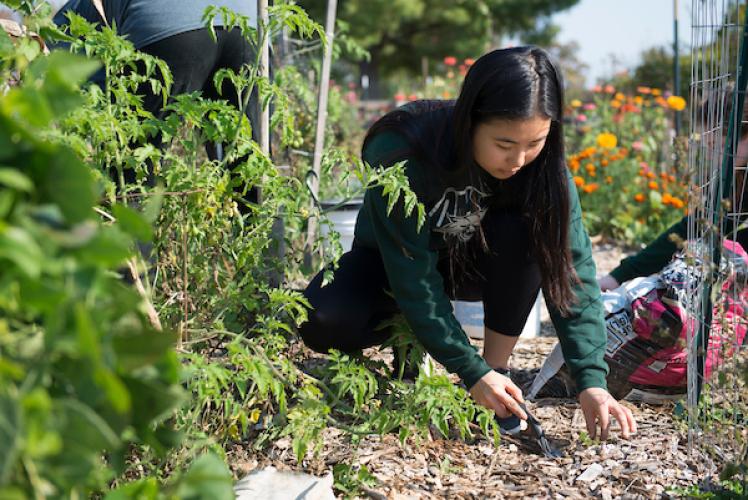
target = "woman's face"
x: 502, y: 147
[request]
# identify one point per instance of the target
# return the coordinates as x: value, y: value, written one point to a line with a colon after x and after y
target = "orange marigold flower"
x: 663, y: 176
x: 653, y: 185
x: 677, y: 202
x: 638, y: 100
x: 604, y: 162
x: 644, y: 90
x: 620, y: 96
x: 574, y: 165
x: 671, y: 178
x: 651, y: 175
x: 575, y: 103
x: 590, y: 167
x: 591, y: 188
x: 676, y: 102
x: 607, y: 140
x: 667, y: 198
x: 615, y: 103
x: 609, y: 180
x: 656, y: 92
x: 578, y: 181
x: 469, y: 61
x: 639, y: 198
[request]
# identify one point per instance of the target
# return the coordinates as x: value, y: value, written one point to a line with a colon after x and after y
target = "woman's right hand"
x: 608, y: 282
x: 497, y: 392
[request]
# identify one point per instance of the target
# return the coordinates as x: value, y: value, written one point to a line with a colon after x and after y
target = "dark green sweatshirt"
x: 410, y: 260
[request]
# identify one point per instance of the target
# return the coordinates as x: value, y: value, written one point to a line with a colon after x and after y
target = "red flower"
x: 399, y: 96
x: 412, y: 97
x: 450, y: 60
x: 469, y: 61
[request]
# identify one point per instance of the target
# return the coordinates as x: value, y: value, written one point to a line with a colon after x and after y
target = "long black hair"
x: 510, y: 84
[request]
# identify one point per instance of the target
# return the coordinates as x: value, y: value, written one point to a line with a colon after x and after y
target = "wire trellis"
x: 718, y: 205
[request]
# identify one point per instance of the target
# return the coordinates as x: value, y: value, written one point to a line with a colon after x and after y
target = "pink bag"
x: 646, y: 321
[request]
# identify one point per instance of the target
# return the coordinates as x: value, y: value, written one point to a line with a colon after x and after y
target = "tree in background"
x: 403, y: 36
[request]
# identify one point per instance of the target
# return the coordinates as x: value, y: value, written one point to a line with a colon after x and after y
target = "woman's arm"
x: 652, y: 258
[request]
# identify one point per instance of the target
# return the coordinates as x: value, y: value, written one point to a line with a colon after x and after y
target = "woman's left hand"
x: 598, y: 405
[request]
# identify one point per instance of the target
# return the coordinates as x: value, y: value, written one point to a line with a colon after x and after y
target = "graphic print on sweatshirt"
x: 458, y: 213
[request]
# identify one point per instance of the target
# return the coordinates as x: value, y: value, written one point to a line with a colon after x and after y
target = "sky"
x: 623, y: 28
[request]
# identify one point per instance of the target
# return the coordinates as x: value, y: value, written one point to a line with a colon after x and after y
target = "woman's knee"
x: 319, y: 332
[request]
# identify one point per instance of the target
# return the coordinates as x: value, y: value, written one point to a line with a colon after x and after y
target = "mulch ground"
x: 655, y: 460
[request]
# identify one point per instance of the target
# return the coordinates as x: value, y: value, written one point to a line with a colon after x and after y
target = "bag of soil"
x: 646, y: 322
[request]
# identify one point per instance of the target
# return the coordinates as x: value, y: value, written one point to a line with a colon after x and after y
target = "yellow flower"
x: 676, y: 102
x: 575, y: 103
x: 638, y: 100
x: 620, y: 96
x: 656, y: 92
x: 607, y: 140
x: 615, y: 103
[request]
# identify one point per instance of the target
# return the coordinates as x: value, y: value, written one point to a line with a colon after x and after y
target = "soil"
x: 649, y: 465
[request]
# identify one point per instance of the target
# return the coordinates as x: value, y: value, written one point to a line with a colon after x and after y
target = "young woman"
x: 503, y: 220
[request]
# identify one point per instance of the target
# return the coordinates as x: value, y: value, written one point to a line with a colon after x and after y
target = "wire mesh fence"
x: 717, y: 297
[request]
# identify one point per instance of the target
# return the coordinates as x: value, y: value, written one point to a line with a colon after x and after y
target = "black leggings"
x: 194, y: 59
x: 505, y: 278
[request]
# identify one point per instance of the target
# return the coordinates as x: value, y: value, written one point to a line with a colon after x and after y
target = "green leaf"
x: 63, y: 66
x: 10, y: 432
x: 208, y: 478
x: 143, y: 349
x: 116, y: 391
x: 145, y: 489
x: 69, y: 184
x: 155, y: 400
x: 87, y: 427
x: 6, y: 44
x: 132, y: 222
x: 110, y: 247
x: 15, y: 179
x: 17, y: 246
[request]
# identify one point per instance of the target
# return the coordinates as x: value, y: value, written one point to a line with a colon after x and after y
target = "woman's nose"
x: 518, y: 159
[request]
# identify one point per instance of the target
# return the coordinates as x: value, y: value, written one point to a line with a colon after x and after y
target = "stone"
x: 591, y: 473
x: 272, y: 484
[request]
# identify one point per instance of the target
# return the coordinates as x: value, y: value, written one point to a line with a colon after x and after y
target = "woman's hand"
x: 597, y: 406
x: 497, y: 392
x: 608, y: 282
